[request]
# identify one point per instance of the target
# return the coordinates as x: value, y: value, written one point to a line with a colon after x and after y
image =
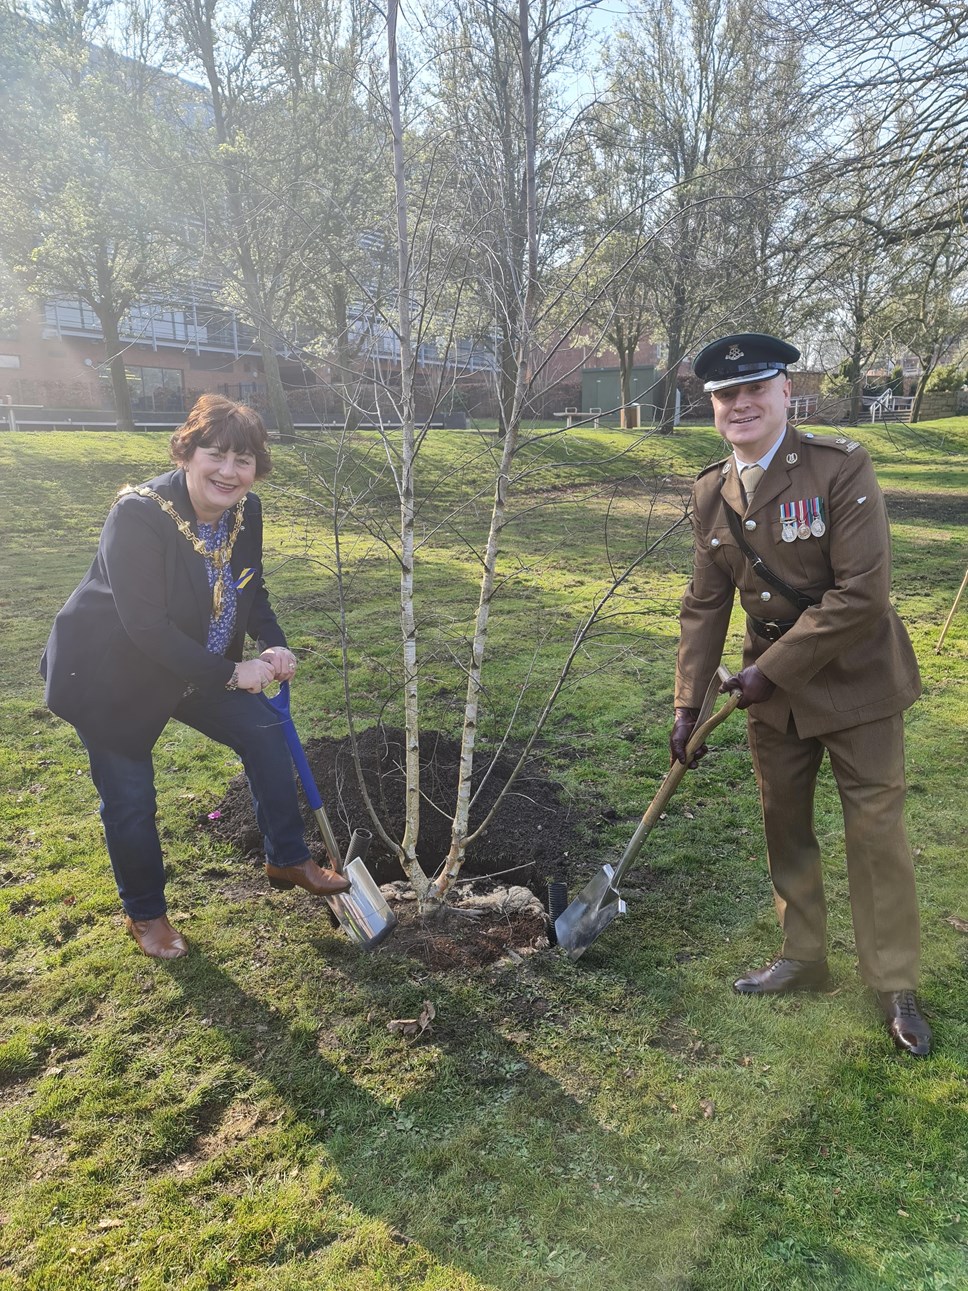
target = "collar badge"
x: 792, y: 459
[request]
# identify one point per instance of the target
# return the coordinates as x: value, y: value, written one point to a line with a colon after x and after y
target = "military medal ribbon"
x: 803, y: 529
x: 817, y: 525
x: 788, y: 521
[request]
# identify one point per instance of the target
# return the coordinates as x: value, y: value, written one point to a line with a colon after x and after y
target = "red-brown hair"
x: 216, y: 422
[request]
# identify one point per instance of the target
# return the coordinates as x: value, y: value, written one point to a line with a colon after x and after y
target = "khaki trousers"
x: 868, y: 765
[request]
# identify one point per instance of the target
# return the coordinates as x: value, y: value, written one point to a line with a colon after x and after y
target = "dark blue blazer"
x: 131, y: 637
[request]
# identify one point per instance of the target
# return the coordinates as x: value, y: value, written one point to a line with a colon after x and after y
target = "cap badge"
x: 733, y: 353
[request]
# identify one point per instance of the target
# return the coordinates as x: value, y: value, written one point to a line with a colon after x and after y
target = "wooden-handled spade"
x: 599, y: 902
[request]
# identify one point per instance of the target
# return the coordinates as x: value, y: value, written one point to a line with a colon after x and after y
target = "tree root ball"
x: 529, y: 842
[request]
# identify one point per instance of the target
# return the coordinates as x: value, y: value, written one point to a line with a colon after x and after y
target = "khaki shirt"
x: 848, y: 659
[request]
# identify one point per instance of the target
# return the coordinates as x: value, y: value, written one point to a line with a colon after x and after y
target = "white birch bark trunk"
x: 406, y: 479
x: 459, y: 830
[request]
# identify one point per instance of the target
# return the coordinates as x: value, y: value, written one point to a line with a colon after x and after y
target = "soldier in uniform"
x: 797, y: 523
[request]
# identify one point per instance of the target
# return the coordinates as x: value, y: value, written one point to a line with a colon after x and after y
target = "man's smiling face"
x: 752, y: 416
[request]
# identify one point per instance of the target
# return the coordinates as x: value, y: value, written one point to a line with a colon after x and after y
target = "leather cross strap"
x: 760, y: 568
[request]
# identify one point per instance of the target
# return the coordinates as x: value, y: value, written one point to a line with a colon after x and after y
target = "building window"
x: 9, y: 361
x: 70, y: 316
x: 156, y: 389
x: 150, y: 324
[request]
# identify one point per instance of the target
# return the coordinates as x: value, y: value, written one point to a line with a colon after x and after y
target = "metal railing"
x: 888, y: 402
x: 803, y: 405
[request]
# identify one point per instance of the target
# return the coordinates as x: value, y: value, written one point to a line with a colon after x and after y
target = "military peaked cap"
x: 747, y: 356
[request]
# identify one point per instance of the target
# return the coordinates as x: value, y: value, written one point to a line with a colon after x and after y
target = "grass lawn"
x: 243, y: 1118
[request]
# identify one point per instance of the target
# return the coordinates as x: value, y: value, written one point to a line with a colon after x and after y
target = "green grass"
x: 243, y: 1119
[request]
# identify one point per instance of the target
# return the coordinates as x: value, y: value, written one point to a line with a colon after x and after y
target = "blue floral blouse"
x: 220, y: 631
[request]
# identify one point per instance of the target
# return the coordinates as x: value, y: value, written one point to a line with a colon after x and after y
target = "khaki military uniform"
x: 844, y: 673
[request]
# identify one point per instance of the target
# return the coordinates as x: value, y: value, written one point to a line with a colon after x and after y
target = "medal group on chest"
x: 803, y: 518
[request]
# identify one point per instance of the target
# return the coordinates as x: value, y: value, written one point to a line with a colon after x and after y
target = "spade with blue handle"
x: 362, y: 912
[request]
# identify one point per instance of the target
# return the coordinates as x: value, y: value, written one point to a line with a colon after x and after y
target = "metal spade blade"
x: 362, y: 912
x: 599, y: 901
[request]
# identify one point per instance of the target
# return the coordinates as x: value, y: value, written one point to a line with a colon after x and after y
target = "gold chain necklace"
x: 219, y: 556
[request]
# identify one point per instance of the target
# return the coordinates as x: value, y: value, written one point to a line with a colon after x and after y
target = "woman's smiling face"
x: 217, y: 479
x: 752, y: 416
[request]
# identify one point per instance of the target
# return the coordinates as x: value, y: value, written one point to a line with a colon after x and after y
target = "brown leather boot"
x: 157, y: 937
x: 784, y: 975
x: 309, y: 876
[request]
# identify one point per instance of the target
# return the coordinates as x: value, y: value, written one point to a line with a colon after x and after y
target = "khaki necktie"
x: 750, y: 477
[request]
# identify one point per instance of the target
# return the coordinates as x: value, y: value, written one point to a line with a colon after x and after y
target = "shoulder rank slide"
x: 831, y: 441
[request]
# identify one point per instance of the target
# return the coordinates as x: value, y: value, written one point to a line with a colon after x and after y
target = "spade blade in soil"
x: 362, y: 912
x: 589, y: 914
x: 599, y: 902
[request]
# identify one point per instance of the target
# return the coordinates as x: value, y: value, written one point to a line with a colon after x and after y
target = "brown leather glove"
x: 682, y: 729
x: 753, y: 685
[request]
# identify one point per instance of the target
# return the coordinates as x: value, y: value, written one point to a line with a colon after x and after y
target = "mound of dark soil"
x: 529, y: 839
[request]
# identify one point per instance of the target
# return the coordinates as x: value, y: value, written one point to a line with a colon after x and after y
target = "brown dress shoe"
x: 783, y: 975
x: 906, y: 1024
x: 157, y: 937
x: 308, y: 875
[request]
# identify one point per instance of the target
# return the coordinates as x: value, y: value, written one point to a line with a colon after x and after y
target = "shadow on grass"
x: 550, y: 1134
x: 486, y: 1160
x: 924, y: 507
x: 553, y: 1191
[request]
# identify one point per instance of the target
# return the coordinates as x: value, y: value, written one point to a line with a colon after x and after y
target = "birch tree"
x: 441, y: 249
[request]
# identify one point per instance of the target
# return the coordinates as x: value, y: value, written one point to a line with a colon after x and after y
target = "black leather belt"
x: 771, y: 629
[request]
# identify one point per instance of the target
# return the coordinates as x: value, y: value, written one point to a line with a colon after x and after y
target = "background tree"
x: 886, y: 190
x: 279, y: 164
x: 619, y: 187
x: 948, y: 378
x: 444, y: 249
x: 871, y: 296
x: 930, y: 301
x: 486, y: 121
x: 701, y: 85
x: 86, y: 145
x: 906, y: 62
x: 344, y: 196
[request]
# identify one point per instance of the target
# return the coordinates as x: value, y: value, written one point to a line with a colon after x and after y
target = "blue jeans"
x: 244, y: 722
